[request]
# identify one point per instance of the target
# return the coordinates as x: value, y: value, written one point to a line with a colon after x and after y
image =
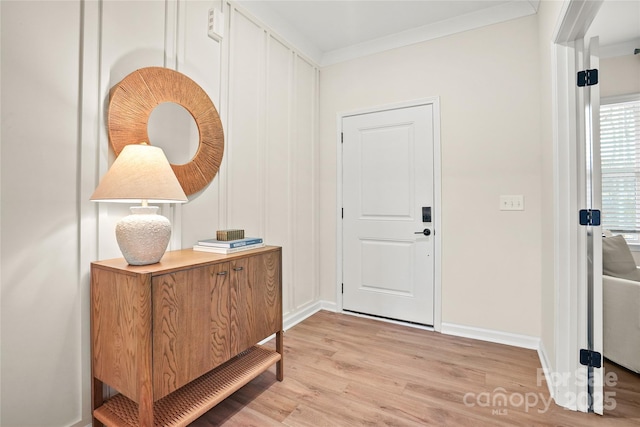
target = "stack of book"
x: 228, y: 246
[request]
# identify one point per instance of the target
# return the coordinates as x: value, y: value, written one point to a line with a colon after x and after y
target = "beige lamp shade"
x: 140, y: 173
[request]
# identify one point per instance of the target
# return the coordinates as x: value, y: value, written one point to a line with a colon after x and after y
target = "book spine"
x: 245, y: 243
x: 226, y: 251
x: 244, y: 248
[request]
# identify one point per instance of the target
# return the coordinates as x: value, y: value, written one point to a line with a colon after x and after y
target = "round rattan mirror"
x: 135, y: 97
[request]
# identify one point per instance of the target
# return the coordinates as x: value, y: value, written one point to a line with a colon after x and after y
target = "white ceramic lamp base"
x: 143, y: 236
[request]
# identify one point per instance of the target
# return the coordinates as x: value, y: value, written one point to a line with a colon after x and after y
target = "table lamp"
x: 141, y: 173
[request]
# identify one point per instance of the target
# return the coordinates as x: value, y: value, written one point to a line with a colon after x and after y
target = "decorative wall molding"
x: 285, y: 30
x: 271, y: 180
x: 90, y: 120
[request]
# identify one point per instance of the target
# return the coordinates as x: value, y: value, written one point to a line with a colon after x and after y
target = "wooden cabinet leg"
x: 145, y: 408
x: 97, y: 399
x: 280, y: 349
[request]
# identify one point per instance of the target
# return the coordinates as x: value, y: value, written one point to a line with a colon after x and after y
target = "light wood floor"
x: 343, y: 370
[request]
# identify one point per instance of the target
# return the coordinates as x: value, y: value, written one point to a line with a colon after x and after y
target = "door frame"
x: 434, y: 102
x: 570, y: 270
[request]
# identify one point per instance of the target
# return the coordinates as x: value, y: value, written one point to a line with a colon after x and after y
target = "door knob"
x: 426, y: 232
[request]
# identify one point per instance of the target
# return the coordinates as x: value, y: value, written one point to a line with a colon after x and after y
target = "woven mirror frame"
x: 134, y: 98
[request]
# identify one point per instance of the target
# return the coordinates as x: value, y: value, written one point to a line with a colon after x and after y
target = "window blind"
x: 620, y: 158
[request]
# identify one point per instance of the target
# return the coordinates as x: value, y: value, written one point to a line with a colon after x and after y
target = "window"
x: 620, y: 157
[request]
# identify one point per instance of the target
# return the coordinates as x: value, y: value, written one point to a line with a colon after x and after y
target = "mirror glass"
x: 172, y: 128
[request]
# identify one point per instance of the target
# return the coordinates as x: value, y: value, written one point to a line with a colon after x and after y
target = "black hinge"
x: 587, y: 78
x: 342, y: 212
x: 343, y: 288
x: 590, y: 358
x: 590, y: 217
x: 341, y: 137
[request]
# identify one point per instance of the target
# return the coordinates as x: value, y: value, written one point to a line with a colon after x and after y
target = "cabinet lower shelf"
x: 186, y: 404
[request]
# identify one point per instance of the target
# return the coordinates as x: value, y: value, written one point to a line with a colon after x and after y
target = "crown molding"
x: 500, y: 13
x: 620, y: 49
x: 282, y: 28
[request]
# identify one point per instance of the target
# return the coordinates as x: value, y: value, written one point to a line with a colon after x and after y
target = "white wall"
x: 41, y: 295
x: 59, y: 61
x: 620, y: 75
x: 489, y: 88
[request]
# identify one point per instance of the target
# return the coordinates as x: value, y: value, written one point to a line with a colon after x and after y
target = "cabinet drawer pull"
x: 222, y: 273
x: 238, y: 268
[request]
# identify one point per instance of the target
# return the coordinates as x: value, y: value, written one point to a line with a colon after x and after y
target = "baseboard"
x: 499, y: 337
x: 293, y: 318
x: 329, y: 306
x: 546, y: 368
x: 490, y: 335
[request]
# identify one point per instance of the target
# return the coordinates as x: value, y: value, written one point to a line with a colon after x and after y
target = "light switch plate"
x: 511, y: 203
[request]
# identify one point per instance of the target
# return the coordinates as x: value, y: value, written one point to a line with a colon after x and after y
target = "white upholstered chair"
x: 621, y: 304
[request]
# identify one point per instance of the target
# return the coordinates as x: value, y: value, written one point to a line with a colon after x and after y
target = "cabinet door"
x: 191, y: 325
x: 256, y: 301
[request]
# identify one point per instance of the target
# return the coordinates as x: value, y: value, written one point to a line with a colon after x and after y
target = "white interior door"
x: 388, y: 246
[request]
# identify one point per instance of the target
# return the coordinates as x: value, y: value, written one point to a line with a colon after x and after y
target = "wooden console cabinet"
x: 177, y: 337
